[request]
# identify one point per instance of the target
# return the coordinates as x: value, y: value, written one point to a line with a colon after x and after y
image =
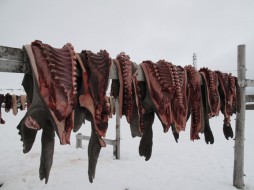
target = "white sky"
x: 145, y: 29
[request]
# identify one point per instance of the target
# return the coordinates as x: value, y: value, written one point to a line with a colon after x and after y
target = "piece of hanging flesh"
x: 227, y: 129
x: 14, y: 104
x: 208, y: 133
x: 29, y: 126
x: 36, y: 115
x: 127, y: 91
x: 226, y: 106
x: 47, y: 151
x: 22, y: 102
x: 94, y: 148
x: 134, y: 124
x: 79, y: 111
x: 136, y: 121
x: 207, y: 129
x: 8, y: 102
x: 174, y: 132
x: 79, y: 117
x: 1, y: 101
x: 146, y: 142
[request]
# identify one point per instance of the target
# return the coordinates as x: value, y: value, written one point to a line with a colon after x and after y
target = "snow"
x: 179, y: 166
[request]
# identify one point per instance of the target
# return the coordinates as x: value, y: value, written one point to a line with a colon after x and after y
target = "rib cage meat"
x: 161, y: 87
x: 95, y: 75
x: 230, y: 96
x: 126, y: 89
x: 180, y: 106
x: 124, y: 66
x: 194, y: 99
x: 211, y: 81
x: 57, y: 84
x: 98, y: 67
x: 166, y: 81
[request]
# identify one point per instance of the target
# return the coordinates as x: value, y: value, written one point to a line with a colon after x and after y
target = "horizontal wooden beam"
x: 249, y: 98
x: 249, y: 106
x: 14, y: 60
x: 84, y: 137
x: 246, y: 83
x: 249, y: 83
x: 11, y: 53
x: 12, y: 66
x: 114, y: 75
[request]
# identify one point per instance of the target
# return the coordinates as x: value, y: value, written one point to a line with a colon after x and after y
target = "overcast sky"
x: 145, y: 29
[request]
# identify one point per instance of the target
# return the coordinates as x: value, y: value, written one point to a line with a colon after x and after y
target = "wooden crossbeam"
x: 14, y: 60
x: 249, y: 106
x: 249, y: 98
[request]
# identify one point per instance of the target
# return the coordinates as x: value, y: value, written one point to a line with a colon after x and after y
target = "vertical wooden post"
x: 238, y: 181
x: 79, y: 140
x: 116, y: 147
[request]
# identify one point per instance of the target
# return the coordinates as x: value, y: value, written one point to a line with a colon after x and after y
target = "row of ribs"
x: 66, y: 88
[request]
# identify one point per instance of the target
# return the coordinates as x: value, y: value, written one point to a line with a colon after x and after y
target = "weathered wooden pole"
x: 238, y: 181
x: 117, y: 145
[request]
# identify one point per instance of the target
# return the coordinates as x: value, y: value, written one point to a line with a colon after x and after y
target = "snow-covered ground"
x: 184, y: 165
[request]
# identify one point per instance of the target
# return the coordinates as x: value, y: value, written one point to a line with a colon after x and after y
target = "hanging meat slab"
x: 166, y: 95
x: 230, y: 98
x: 213, y: 98
x: 95, y: 75
x: 125, y: 89
x: 195, y: 101
x: 51, y: 91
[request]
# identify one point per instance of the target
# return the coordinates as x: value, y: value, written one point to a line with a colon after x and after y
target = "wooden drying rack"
x: 14, y: 60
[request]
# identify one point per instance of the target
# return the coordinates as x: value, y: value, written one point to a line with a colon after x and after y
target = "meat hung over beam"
x: 52, y: 94
x: 167, y: 87
x: 211, y: 83
x: 126, y: 89
x: 165, y: 95
x: 95, y: 77
x: 195, y: 101
x: 230, y: 99
x: 64, y: 88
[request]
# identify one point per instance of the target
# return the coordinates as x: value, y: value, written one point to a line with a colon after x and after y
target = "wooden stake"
x: 238, y: 181
x: 116, y: 148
